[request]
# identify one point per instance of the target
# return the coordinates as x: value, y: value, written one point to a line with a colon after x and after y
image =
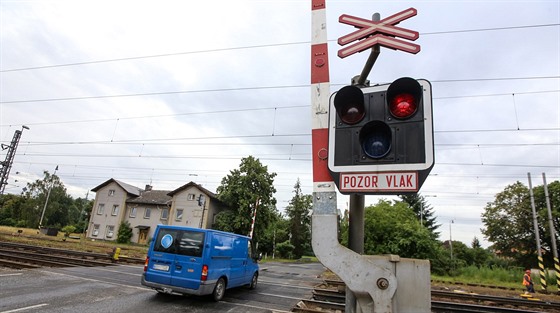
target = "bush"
x: 21, y: 223
x: 285, y: 249
x: 125, y: 232
x: 8, y: 222
x: 67, y: 230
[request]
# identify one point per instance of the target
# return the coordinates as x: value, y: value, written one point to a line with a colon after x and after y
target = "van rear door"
x: 187, y: 269
x: 163, y: 257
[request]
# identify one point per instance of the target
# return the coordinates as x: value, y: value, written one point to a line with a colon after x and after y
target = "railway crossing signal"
x: 381, y: 137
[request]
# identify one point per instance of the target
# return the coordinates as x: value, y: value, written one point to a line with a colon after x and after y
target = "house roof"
x: 131, y: 190
x: 160, y: 197
x: 193, y: 184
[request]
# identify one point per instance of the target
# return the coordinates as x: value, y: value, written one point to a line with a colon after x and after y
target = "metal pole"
x: 356, y: 225
x: 355, y: 240
x: 8, y: 162
x: 450, y: 241
x: 422, y: 213
x: 47, y: 200
x: 552, y: 232
x: 537, y: 236
x: 375, y: 50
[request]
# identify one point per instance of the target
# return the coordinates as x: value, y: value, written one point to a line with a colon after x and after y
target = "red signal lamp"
x: 403, y: 96
x: 403, y: 106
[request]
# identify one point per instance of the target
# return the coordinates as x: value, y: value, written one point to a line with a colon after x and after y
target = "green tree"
x: 508, y: 222
x: 423, y: 212
x: 285, y: 250
x: 10, y: 209
x: 298, y: 212
x: 59, y: 207
x: 276, y: 232
x: 392, y: 228
x: 125, y: 232
x: 245, y: 189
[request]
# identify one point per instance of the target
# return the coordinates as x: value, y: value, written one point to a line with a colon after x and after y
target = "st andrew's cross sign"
x: 383, y: 33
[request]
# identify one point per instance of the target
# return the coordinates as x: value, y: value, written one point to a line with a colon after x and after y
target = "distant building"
x: 189, y: 205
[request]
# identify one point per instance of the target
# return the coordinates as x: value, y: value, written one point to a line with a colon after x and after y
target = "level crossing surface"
x: 118, y: 289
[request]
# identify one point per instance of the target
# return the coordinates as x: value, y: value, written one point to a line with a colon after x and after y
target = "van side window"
x: 191, y: 244
x: 166, y: 246
x: 249, y: 249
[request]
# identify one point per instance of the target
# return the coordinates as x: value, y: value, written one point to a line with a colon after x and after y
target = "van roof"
x: 201, y: 230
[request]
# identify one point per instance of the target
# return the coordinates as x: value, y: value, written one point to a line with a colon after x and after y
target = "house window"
x: 110, y: 231
x: 179, y: 215
x: 111, y: 192
x: 132, y: 212
x: 164, y: 214
x: 115, y: 210
x: 95, y: 230
x: 147, y: 213
x: 100, y: 208
x: 190, y: 197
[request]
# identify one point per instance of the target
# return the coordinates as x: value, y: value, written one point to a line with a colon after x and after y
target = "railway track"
x: 330, y: 297
x: 16, y: 255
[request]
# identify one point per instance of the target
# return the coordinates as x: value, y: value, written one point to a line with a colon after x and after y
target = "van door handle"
x: 178, y: 266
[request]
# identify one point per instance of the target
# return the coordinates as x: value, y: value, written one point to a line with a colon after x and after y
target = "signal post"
x: 380, y: 141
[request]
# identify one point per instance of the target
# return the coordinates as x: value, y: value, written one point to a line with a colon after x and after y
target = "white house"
x: 189, y: 205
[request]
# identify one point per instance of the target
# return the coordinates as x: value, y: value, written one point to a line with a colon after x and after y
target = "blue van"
x: 197, y: 261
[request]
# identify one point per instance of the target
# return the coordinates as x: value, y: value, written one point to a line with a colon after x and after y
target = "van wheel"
x: 219, y: 290
x: 253, y: 284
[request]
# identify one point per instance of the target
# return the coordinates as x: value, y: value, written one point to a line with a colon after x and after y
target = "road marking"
x: 26, y: 308
x: 268, y: 282
x: 69, y: 269
x: 13, y: 274
x: 100, y: 281
x: 278, y: 296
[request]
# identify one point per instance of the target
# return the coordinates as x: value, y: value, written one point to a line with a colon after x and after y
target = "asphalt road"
x: 118, y: 289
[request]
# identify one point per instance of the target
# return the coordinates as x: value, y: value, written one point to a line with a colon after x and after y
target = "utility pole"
x: 537, y: 236
x: 552, y: 232
x: 7, y: 163
x: 450, y: 241
x: 47, y: 200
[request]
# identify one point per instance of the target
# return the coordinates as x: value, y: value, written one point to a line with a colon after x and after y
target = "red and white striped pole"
x: 254, y: 218
x: 320, y: 93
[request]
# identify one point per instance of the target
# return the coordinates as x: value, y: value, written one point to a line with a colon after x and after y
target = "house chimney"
x: 148, y: 188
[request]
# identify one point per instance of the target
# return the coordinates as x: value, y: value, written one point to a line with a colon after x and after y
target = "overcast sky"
x: 168, y: 92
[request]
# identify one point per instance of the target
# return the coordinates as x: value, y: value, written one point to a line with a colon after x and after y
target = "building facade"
x: 189, y: 205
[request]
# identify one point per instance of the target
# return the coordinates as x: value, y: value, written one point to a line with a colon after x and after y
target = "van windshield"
x: 189, y: 243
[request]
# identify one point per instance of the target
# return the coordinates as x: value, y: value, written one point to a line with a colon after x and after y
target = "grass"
x: 500, y: 277
x: 33, y: 237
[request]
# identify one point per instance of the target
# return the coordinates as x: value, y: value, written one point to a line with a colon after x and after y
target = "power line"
x: 223, y: 157
x: 256, y: 47
x: 283, y: 87
x: 162, y: 141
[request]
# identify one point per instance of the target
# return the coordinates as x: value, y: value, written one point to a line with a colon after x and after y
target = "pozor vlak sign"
x: 381, y: 137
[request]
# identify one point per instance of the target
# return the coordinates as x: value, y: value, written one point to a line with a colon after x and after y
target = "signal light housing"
x: 382, y: 129
x: 349, y: 104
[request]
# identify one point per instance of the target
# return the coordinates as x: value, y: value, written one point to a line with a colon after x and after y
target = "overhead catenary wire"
x: 259, y: 46
x: 160, y: 93
x: 252, y: 109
